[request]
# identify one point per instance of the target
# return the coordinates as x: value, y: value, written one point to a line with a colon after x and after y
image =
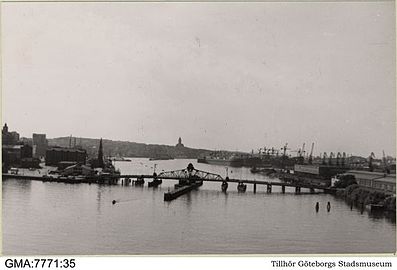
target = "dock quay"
x: 61, y: 179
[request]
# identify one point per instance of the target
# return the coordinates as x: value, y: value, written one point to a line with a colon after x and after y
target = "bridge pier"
x: 283, y: 189
x: 269, y: 189
x: 297, y: 190
x: 140, y: 181
x: 125, y: 182
x: 254, y: 187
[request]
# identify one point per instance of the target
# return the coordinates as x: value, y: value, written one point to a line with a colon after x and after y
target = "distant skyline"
x: 232, y: 76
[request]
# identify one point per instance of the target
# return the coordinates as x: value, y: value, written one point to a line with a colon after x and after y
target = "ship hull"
x: 276, y: 162
x: 222, y: 162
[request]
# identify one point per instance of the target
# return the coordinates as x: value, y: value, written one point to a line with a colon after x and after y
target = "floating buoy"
x: 114, y: 202
x: 328, y: 206
x: 317, y: 206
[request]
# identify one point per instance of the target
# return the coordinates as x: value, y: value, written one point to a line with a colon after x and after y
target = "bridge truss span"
x: 191, y: 173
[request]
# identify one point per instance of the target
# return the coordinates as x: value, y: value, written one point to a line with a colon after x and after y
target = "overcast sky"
x: 220, y: 75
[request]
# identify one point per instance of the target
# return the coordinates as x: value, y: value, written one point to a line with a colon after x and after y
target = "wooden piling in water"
x: 255, y: 188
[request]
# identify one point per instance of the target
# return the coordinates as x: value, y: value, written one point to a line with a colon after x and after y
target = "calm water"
x: 57, y: 218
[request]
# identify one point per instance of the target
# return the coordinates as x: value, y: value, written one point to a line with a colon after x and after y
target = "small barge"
x: 171, y: 195
x: 155, y: 183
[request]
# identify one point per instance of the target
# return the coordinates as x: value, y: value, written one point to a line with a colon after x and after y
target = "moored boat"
x: 161, y: 158
x: 155, y: 183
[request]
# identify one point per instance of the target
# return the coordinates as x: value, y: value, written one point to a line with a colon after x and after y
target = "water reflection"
x: 21, y: 184
x: 188, y: 200
x: 226, y: 196
x: 98, y: 199
x: 380, y: 215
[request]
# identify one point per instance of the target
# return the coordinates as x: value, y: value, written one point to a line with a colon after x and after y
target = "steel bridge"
x: 188, y: 175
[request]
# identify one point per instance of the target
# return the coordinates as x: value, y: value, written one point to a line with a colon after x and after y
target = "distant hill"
x: 130, y: 149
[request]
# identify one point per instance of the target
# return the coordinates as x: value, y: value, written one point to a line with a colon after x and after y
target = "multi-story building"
x: 13, y: 154
x: 375, y: 180
x: 54, y: 155
x: 318, y: 171
x: 9, y: 137
x: 40, y: 145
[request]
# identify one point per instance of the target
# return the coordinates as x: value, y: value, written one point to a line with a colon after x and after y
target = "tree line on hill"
x: 129, y: 149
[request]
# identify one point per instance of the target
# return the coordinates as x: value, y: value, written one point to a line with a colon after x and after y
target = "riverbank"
x: 364, y: 196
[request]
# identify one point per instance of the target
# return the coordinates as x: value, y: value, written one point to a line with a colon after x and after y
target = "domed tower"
x: 180, y: 144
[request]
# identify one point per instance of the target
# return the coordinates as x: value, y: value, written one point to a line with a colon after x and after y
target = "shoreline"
x: 361, y: 196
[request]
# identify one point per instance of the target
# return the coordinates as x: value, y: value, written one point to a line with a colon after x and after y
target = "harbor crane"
x: 266, y: 151
x: 338, y: 157
x: 285, y: 148
x: 324, y: 158
x: 385, y: 165
x: 331, y: 156
x: 311, y: 154
x: 343, y: 159
x: 303, y: 150
x: 284, y: 157
x: 370, y: 160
